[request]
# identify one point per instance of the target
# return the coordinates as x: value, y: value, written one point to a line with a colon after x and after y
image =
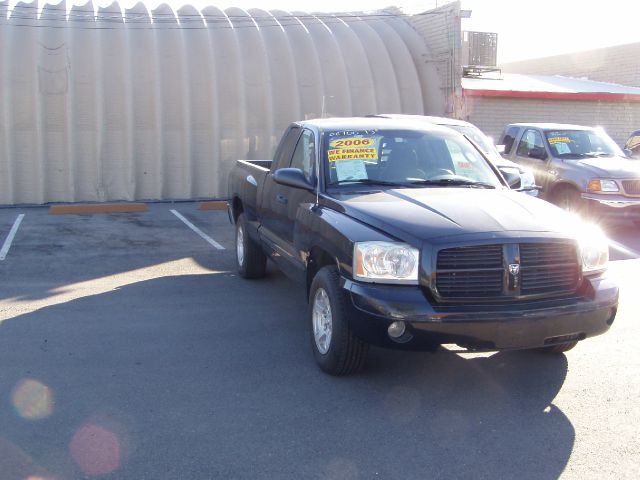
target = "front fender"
x: 333, y: 232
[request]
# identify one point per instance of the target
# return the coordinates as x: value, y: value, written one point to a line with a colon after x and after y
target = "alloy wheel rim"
x: 240, y: 245
x: 322, y: 321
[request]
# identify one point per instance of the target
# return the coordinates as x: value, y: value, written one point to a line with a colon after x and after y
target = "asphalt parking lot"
x: 130, y: 349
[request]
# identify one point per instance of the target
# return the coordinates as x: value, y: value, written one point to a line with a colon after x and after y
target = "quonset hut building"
x: 103, y: 106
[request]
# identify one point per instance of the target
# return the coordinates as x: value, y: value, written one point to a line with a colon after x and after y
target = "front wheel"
x: 569, y: 199
x: 336, y: 349
x: 251, y: 260
x: 560, y: 348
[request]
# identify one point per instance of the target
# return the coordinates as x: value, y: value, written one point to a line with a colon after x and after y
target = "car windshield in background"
x: 404, y: 158
x: 581, y: 143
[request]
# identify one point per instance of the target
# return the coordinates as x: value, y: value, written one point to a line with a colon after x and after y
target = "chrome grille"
x: 631, y: 187
x: 480, y: 271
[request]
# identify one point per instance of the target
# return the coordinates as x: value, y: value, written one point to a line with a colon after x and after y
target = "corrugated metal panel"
x: 159, y: 105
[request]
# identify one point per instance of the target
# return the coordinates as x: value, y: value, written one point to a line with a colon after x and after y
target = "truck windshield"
x: 404, y: 158
x: 578, y: 144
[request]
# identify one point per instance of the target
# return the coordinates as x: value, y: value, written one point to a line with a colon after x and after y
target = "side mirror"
x: 292, y: 177
x: 500, y: 149
x: 512, y: 176
x: 538, y: 152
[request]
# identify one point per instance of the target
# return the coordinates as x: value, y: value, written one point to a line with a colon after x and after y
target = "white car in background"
x: 518, y: 177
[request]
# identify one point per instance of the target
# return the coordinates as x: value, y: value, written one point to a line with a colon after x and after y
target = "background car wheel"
x: 336, y: 349
x: 569, y: 199
x: 251, y: 260
x: 561, y: 348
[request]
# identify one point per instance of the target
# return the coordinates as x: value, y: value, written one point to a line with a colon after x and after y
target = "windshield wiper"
x: 571, y: 155
x: 599, y: 154
x: 368, y: 181
x: 453, y: 182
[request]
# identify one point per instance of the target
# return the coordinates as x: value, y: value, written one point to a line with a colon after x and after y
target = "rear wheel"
x: 336, y: 349
x: 560, y: 348
x: 251, y: 260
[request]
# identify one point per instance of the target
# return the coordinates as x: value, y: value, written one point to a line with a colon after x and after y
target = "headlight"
x: 594, y: 249
x: 598, y: 185
x: 385, y: 262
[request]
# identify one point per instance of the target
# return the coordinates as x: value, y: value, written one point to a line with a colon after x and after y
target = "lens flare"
x: 32, y: 399
x: 96, y: 450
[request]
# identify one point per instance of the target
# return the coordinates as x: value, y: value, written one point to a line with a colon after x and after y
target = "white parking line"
x: 621, y: 248
x: 198, y: 231
x: 9, y: 239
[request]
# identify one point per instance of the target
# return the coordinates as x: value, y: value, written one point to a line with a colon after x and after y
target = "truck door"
x: 272, y: 207
x: 532, y: 152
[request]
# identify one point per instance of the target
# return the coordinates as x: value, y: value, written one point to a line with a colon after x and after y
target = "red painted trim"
x: 591, y: 96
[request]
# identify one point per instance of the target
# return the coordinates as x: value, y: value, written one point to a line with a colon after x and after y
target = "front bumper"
x: 492, y: 327
x: 613, y: 206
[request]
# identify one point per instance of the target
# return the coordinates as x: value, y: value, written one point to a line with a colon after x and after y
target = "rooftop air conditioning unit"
x: 479, y: 49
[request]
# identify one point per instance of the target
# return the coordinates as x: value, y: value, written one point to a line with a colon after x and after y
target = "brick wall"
x: 619, y: 64
x: 491, y: 115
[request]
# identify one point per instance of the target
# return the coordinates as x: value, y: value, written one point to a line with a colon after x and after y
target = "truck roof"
x: 551, y: 126
x: 425, y: 118
x: 372, y: 123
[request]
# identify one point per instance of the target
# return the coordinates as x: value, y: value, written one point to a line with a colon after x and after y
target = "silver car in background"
x: 580, y: 168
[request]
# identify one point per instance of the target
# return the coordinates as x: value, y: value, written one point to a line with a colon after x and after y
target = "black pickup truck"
x: 405, y: 236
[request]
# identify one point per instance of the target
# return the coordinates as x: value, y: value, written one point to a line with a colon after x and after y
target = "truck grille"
x: 631, y: 187
x: 482, y: 271
x: 548, y: 268
x: 477, y: 271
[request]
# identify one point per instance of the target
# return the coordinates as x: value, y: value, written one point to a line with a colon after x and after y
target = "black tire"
x: 569, y: 199
x: 252, y: 262
x: 560, y: 348
x: 344, y: 352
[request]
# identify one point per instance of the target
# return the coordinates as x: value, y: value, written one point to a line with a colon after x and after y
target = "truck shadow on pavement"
x: 211, y: 376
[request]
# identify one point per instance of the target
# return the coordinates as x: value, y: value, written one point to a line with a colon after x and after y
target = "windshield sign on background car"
x: 404, y: 157
x: 581, y: 143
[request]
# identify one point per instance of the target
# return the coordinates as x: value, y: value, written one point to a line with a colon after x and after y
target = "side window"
x: 530, y: 140
x: 508, y: 138
x: 285, y: 149
x: 304, y: 154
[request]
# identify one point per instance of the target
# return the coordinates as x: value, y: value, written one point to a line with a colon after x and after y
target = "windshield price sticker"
x: 352, y: 154
x: 351, y: 170
x: 559, y: 140
x: 351, y: 142
x: 353, y: 148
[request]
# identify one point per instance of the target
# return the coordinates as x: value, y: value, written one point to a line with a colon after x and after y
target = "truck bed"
x: 247, y: 178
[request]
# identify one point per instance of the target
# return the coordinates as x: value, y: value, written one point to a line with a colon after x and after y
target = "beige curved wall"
x: 159, y: 105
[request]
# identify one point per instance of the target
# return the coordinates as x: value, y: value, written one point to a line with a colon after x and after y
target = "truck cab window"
x: 530, y: 140
x: 285, y: 149
x: 509, y: 138
x: 304, y: 154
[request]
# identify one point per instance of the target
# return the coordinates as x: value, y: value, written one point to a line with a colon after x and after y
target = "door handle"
x: 282, y: 199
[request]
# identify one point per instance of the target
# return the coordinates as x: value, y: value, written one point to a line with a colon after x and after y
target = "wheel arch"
x: 318, y: 258
x: 236, y: 208
x: 561, y: 185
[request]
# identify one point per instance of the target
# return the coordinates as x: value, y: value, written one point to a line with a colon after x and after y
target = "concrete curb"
x: 213, y: 205
x: 90, y: 208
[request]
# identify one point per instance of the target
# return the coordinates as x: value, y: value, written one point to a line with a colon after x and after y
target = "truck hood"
x: 421, y: 214
x: 610, y: 167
